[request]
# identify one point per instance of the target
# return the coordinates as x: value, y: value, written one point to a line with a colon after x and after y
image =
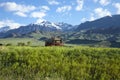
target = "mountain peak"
x: 47, y: 24
x: 42, y: 22
x: 4, y: 29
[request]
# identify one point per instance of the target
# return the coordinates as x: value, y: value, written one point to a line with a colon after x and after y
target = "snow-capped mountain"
x: 44, y: 26
x: 65, y: 26
x: 49, y: 24
x: 4, y: 29
x: 58, y: 26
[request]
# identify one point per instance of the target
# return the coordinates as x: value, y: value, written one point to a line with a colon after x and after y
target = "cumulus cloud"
x: 44, y: 8
x: 10, y: 23
x: 79, y: 5
x: 20, y: 14
x: 18, y: 9
x: 64, y: 8
x: 83, y: 20
x: 104, y: 2
x: 91, y: 18
x: 53, y: 2
x: 38, y: 15
x: 12, y: 6
x: 100, y: 12
x: 117, y: 5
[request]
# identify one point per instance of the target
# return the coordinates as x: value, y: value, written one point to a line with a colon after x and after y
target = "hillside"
x: 102, y: 23
x: 104, y: 31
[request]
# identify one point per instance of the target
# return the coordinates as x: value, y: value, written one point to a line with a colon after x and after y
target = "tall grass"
x: 59, y: 63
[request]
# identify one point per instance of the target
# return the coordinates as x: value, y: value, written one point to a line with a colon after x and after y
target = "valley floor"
x: 70, y: 42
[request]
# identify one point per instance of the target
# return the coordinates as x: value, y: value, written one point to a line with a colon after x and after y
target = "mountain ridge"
x: 101, y: 26
x: 44, y: 26
x: 104, y: 22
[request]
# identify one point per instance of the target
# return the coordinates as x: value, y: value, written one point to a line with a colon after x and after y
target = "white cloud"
x: 20, y: 14
x: 104, y: 2
x: 10, y: 23
x: 64, y: 8
x: 2, y: 24
x: 100, y: 12
x: 17, y: 8
x: 39, y: 15
x: 91, y: 18
x: 79, y: 5
x: 44, y: 8
x: 53, y: 2
x: 117, y: 5
x: 83, y: 20
x: 12, y: 6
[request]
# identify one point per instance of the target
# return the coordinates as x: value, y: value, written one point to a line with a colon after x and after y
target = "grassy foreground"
x: 59, y: 63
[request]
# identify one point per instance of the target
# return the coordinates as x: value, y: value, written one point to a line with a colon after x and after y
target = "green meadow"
x: 15, y: 41
x: 59, y: 63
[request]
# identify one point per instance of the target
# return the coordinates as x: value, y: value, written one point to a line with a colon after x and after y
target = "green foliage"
x: 8, y: 44
x: 28, y: 43
x: 59, y: 63
x: 1, y: 44
x: 21, y: 44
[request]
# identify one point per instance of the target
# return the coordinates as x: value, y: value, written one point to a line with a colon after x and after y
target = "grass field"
x: 59, y: 63
x: 39, y: 40
x: 34, y: 42
x: 15, y: 41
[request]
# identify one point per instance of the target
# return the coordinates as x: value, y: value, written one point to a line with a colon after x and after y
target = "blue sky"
x: 22, y: 12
